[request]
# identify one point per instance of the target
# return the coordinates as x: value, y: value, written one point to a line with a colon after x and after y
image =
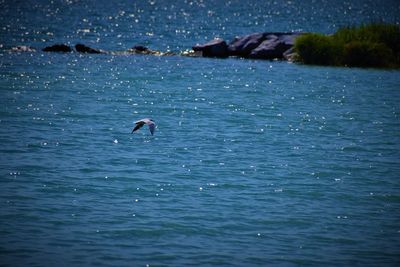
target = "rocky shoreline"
x: 265, y: 45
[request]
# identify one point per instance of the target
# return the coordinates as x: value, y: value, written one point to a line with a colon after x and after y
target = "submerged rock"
x: 214, y: 48
x: 81, y: 48
x: 191, y: 53
x: 140, y: 49
x: 57, y: 48
x: 22, y: 48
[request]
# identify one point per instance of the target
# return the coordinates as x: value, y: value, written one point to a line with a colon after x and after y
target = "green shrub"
x: 318, y: 49
x: 345, y: 35
x: 374, y: 32
x: 372, y: 45
x: 383, y: 33
x: 367, y: 54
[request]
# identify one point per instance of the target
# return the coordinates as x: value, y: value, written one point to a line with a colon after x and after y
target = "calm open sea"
x: 253, y: 163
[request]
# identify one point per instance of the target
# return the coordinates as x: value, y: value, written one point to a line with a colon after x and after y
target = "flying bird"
x: 139, y: 124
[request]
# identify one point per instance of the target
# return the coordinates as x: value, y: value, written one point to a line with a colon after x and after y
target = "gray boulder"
x: 290, y: 55
x: 242, y: 46
x: 274, y: 47
x: 214, y: 48
x: 289, y: 38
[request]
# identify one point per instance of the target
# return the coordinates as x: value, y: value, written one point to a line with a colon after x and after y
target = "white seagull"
x: 149, y: 122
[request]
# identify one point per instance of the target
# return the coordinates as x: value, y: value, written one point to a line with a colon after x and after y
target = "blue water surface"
x: 253, y: 163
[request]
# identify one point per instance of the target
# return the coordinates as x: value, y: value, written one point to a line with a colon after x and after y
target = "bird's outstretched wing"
x: 152, y: 127
x: 139, y: 124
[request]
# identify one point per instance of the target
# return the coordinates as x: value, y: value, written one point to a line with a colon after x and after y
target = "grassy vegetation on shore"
x: 372, y: 45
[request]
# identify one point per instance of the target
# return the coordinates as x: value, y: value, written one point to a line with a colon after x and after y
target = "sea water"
x: 253, y: 163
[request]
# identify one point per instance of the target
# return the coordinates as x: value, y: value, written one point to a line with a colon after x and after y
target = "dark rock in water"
x: 57, y: 48
x: 23, y: 48
x: 242, y: 46
x: 214, y: 48
x: 143, y: 50
x: 140, y: 48
x: 85, y: 49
